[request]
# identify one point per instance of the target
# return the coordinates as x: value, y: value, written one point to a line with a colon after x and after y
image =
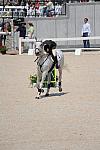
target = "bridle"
x: 38, y: 63
x: 38, y: 48
x: 40, y: 56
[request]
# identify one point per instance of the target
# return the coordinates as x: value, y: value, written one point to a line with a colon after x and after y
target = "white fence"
x: 24, y: 40
x: 12, y: 7
x: 77, y: 51
x: 5, y: 33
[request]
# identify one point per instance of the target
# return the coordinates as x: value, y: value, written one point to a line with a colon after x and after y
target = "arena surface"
x: 63, y: 121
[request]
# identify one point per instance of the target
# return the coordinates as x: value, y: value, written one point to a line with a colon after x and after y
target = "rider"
x: 49, y: 47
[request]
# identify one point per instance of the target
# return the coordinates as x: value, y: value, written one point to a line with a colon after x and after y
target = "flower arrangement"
x: 54, y: 79
x: 33, y: 79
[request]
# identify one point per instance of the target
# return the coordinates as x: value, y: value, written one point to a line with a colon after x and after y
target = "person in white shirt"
x: 86, y: 31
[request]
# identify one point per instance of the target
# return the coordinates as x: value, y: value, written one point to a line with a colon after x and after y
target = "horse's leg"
x: 39, y: 76
x: 41, y: 83
x: 60, y: 78
x: 61, y: 64
x: 48, y: 86
x: 43, y: 78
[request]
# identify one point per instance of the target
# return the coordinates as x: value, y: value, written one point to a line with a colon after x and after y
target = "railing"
x: 24, y: 40
x: 12, y: 7
x: 63, y: 39
x: 5, y: 33
x: 14, y: 11
x: 77, y: 50
x: 74, y: 38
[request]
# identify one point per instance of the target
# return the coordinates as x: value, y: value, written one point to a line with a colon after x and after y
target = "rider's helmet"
x: 49, y: 45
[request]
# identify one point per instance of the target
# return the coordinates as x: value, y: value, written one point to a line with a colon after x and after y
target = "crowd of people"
x: 47, y: 8
x: 41, y: 7
x: 36, y: 7
x: 36, y: 2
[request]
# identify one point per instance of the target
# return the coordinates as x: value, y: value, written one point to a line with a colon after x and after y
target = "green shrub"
x: 3, y: 49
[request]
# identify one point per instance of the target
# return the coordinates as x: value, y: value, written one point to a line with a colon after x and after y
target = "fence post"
x: 19, y: 45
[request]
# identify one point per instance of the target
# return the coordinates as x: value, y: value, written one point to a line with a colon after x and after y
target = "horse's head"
x: 38, y: 48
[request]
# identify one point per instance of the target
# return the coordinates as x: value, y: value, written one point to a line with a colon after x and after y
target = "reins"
x: 36, y: 59
x: 40, y: 65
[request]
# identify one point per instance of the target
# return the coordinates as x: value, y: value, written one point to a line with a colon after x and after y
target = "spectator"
x: 86, y: 30
x: 37, y: 8
x: 30, y: 33
x: 6, y: 27
x: 7, y: 38
x: 48, y: 8
x: 58, y: 9
x: 22, y: 32
x: 29, y: 2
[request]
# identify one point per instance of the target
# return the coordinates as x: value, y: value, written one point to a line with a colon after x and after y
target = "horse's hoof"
x: 37, y: 97
x: 47, y: 94
x: 42, y: 90
x: 60, y: 89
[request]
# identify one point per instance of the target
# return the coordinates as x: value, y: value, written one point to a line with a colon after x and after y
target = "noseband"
x: 38, y: 50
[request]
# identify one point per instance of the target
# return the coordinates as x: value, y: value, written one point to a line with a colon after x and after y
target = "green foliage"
x: 3, y: 48
x: 33, y: 78
x: 54, y: 79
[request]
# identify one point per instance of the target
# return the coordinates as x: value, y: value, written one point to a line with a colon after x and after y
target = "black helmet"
x: 49, y: 44
x: 46, y: 47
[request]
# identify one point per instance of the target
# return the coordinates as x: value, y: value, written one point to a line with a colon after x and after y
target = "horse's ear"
x: 41, y: 43
x: 35, y: 38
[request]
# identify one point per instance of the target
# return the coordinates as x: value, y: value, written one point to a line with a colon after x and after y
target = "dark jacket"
x: 22, y: 31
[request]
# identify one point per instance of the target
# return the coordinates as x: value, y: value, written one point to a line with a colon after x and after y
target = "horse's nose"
x: 36, y: 53
x: 36, y: 50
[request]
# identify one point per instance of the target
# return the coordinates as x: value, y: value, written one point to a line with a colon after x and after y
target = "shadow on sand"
x: 55, y: 94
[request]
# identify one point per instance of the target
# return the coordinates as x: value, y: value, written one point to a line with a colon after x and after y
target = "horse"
x: 45, y: 64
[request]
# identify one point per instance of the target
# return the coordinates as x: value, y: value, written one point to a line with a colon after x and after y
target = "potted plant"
x: 3, y: 49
